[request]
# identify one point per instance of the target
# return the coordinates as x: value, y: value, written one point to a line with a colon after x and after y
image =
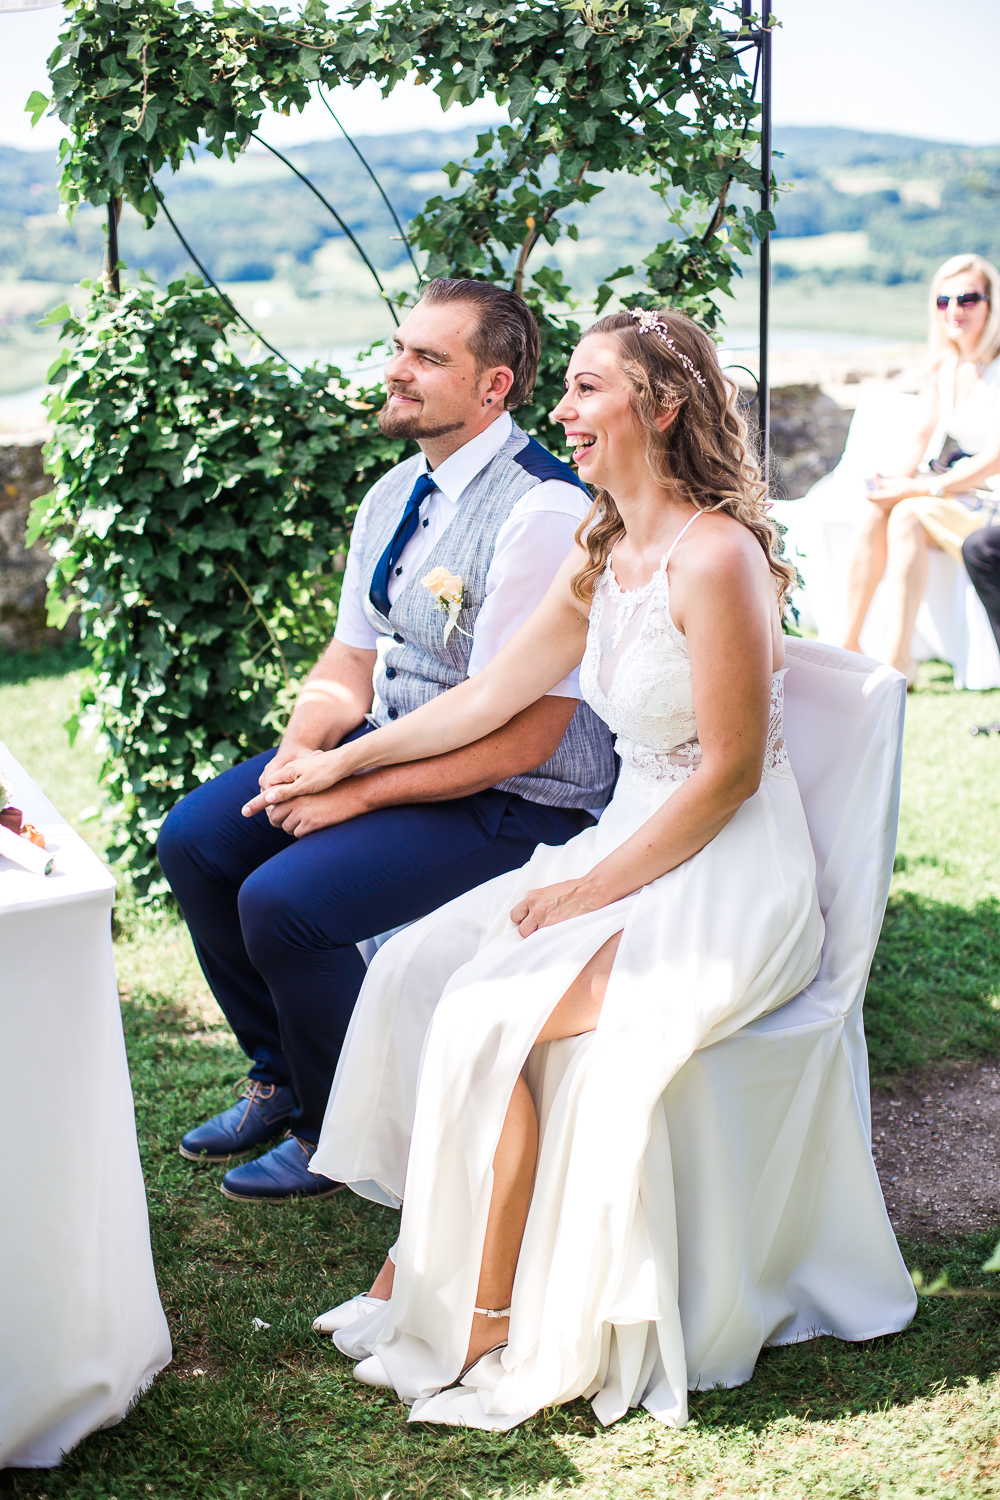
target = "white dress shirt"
x: 530, y: 546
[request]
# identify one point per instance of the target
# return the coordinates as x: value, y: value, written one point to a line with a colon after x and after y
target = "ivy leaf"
x: 993, y: 1264
x: 39, y: 518
x: 308, y: 65
x: 36, y: 106
x: 195, y: 77
x: 760, y: 223
x: 604, y: 296
x: 520, y: 96
x: 356, y: 53
x: 58, y: 314
x: 64, y: 81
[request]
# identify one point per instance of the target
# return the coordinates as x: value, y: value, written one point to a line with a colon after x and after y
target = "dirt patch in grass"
x: 936, y: 1142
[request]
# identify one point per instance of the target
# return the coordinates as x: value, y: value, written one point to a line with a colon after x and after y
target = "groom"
x: 277, y: 902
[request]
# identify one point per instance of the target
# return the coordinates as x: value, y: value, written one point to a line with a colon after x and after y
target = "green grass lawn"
x: 275, y: 1413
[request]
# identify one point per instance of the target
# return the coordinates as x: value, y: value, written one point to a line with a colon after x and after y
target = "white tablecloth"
x: 82, y: 1331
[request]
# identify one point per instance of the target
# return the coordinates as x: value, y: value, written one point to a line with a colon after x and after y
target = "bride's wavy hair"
x: 705, y: 452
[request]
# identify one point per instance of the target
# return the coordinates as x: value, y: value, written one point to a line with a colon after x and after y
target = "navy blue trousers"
x: 275, y: 919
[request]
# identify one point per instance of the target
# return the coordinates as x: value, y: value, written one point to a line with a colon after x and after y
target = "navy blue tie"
x: 379, y: 591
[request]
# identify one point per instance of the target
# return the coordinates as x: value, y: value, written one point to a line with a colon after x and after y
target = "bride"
x: 504, y: 1067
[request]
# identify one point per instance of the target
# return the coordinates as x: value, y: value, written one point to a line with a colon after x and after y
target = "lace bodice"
x: 636, y: 675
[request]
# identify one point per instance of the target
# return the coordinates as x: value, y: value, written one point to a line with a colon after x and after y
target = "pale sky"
x: 909, y: 67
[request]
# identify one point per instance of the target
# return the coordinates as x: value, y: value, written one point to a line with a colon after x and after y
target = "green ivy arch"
x: 591, y: 88
x: 198, y: 501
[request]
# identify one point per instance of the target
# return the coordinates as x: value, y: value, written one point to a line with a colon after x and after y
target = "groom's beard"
x: 412, y: 424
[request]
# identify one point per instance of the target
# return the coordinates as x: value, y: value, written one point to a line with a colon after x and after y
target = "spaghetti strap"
x: 677, y: 538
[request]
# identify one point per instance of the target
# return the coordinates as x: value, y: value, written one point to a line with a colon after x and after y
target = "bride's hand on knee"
x: 554, y: 903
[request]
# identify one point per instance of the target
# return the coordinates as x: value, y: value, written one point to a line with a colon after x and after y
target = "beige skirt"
x: 950, y: 520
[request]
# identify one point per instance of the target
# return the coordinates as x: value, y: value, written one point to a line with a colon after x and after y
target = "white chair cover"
x: 778, y: 1200
x: 782, y: 1229
x: 952, y: 624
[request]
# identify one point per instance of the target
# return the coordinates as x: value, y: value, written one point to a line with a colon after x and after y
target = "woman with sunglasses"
x: 935, y: 507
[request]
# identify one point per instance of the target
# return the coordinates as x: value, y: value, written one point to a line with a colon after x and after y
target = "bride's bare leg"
x: 513, y: 1171
x: 580, y: 1007
x: 382, y: 1285
x: 517, y: 1152
x: 865, y: 573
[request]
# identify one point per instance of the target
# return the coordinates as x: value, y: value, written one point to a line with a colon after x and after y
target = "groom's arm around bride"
x: 277, y: 901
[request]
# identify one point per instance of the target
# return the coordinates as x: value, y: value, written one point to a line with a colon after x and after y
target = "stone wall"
x: 808, y: 433
x: 22, y: 569
x: 813, y: 398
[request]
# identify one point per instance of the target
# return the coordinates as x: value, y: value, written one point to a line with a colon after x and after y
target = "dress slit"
x: 573, y: 981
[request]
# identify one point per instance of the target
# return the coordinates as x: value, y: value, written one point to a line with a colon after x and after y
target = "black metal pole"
x: 764, y: 389
x: 214, y: 284
x: 111, y: 275
x: 346, y: 228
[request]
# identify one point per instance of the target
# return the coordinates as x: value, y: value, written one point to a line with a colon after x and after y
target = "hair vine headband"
x: 649, y: 323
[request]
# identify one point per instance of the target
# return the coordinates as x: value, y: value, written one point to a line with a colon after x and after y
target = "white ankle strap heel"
x: 493, y: 1312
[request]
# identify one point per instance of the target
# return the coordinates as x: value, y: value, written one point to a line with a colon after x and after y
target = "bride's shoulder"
x: 723, y: 563
x: 716, y: 545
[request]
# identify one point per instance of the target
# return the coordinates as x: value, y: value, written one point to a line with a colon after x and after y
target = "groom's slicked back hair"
x: 505, y: 332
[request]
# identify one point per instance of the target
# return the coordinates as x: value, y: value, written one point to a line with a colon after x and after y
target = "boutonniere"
x: 448, y: 592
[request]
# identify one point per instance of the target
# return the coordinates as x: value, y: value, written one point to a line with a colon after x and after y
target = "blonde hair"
x: 989, y: 344
x: 705, y: 453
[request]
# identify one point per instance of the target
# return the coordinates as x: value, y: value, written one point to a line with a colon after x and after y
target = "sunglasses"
x: 964, y: 299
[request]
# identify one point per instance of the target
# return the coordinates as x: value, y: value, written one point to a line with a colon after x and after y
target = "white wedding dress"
x: 447, y: 1019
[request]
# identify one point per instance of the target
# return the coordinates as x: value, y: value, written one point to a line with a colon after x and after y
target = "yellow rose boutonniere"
x: 448, y: 591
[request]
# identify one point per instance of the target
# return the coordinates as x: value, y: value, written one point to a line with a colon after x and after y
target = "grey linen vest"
x: 419, y: 665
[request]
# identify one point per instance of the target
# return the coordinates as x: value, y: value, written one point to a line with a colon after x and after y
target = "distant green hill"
x: 916, y: 201
x: 810, y: 146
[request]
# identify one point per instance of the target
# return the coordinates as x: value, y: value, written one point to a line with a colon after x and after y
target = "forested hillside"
x: 904, y: 203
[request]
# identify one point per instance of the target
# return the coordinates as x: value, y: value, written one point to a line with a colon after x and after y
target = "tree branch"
x: 532, y: 237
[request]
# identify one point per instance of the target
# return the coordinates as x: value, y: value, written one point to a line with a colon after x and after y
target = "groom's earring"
x: 489, y: 400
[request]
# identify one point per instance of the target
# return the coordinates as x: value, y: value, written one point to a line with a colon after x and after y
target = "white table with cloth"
x: 82, y: 1331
